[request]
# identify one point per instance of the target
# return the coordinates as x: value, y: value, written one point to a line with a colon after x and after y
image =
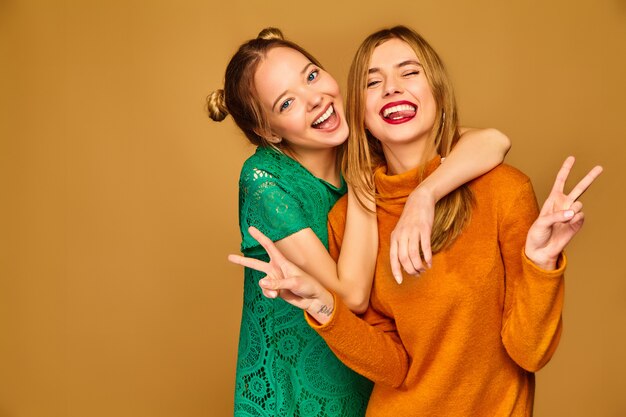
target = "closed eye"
x: 372, y: 83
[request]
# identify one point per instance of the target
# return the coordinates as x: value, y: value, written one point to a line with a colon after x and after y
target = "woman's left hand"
x: 561, y: 217
x: 411, y: 234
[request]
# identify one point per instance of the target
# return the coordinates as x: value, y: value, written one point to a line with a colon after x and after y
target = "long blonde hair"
x: 364, y: 152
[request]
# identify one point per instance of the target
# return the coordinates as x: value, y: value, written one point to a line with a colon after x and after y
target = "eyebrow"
x: 285, y: 92
x: 400, y: 65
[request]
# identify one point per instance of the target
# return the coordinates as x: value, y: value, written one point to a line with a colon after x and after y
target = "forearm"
x: 532, y: 325
x: 531, y: 322
x: 370, y: 346
x: 357, y: 259
x: 477, y: 152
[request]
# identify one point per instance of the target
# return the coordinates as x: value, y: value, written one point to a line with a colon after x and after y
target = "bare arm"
x: 351, y: 276
x: 370, y: 345
x: 477, y: 152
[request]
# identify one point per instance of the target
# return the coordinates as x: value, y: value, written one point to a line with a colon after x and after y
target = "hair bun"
x: 216, y: 106
x: 270, y: 33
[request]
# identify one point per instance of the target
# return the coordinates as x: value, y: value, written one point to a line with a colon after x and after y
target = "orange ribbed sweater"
x: 464, y: 338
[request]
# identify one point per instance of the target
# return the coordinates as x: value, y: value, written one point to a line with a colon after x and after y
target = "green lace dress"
x: 283, y: 367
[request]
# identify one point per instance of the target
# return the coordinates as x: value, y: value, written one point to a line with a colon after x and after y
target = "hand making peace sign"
x: 560, y: 218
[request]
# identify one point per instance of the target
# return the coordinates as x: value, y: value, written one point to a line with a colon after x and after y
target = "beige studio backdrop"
x: 119, y: 197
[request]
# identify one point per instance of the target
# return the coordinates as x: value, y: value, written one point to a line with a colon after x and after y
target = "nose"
x: 314, y: 99
x: 392, y: 86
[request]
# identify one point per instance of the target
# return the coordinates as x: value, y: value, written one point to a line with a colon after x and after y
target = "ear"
x: 274, y: 139
x: 268, y: 136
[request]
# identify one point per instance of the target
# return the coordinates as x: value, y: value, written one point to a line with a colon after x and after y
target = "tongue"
x: 327, y: 123
x: 401, y: 114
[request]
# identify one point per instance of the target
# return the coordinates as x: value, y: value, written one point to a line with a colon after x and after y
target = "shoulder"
x: 503, y: 176
x: 507, y: 190
x: 261, y: 169
x: 504, y: 182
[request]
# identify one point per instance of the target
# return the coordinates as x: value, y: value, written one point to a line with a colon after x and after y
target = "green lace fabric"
x: 284, y: 368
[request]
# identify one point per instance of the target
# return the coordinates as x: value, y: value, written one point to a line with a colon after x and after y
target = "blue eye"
x: 286, y: 104
x: 312, y: 75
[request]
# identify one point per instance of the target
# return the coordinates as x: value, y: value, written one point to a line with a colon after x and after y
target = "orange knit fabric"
x: 464, y: 338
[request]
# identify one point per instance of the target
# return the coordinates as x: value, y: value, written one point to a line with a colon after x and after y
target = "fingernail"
x: 398, y: 278
x: 569, y: 214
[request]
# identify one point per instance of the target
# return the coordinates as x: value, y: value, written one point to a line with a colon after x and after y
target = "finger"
x: 271, y: 283
x: 395, y: 264
x: 250, y: 263
x: 582, y: 186
x: 577, y: 221
x: 561, y: 177
x: 576, y: 207
x: 414, y: 255
x: 563, y: 216
x: 269, y: 293
x: 403, y: 256
x: 426, y: 249
x: 267, y: 244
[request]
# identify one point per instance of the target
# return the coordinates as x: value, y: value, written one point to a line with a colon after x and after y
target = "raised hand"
x: 286, y: 280
x: 412, y: 232
x: 560, y: 218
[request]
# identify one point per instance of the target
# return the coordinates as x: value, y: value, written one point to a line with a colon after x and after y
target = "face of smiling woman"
x: 400, y: 107
x: 302, y: 101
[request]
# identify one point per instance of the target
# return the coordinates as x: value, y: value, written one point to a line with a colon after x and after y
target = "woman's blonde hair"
x: 239, y: 97
x: 364, y: 152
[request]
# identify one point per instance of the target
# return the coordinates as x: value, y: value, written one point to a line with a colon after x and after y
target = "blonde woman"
x: 466, y: 336
x: 287, y: 105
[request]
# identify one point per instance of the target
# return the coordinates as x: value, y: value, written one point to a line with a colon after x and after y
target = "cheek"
x: 370, y: 112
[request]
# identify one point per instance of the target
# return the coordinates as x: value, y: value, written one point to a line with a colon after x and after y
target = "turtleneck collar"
x: 394, y: 189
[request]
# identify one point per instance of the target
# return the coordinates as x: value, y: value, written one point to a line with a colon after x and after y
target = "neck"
x: 322, y: 163
x: 403, y: 157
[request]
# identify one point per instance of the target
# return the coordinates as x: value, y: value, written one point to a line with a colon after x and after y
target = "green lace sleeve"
x: 268, y: 205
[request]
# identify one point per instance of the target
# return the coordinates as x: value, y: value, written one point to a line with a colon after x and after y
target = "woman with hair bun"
x: 465, y: 338
x: 291, y: 109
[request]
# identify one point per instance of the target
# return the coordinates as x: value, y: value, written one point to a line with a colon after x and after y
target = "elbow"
x: 533, y: 364
x: 357, y: 303
x: 500, y: 141
x: 358, y: 306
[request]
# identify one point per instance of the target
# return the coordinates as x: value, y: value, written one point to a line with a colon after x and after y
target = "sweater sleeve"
x: 368, y: 343
x: 531, y: 325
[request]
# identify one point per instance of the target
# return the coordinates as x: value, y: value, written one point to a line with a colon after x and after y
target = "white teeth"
x: 401, y: 107
x: 324, y: 116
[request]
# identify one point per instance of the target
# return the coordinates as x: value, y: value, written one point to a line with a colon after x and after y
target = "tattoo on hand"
x: 325, y: 310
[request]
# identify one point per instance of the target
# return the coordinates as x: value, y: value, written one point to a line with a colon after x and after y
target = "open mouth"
x: 398, y: 112
x: 327, y: 120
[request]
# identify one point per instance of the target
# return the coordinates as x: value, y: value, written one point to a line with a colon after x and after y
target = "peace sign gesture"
x: 560, y: 218
x: 286, y: 280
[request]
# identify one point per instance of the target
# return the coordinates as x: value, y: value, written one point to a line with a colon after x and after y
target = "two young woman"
x: 466, y: 336
x: 288, y: 106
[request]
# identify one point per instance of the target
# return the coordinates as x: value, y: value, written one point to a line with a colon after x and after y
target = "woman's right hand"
x: 285, y: 280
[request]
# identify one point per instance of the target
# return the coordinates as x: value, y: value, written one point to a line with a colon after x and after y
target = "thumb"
x: 561, y: 216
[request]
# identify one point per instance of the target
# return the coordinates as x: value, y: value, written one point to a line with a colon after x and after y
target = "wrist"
x: 542, y: 262
x: 424, y: 192
x: 322, y: 308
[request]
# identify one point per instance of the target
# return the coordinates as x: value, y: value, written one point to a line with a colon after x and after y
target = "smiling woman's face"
x: 302, y: 101
x: 400, y: 107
